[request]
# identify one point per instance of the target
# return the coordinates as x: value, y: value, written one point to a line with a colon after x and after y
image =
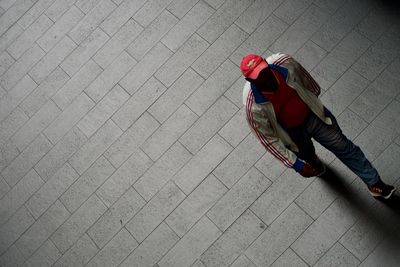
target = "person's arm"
x: 262, y: 128
x: 312, y: 85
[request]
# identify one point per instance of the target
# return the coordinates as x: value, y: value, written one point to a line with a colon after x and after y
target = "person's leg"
x: 332, y: 138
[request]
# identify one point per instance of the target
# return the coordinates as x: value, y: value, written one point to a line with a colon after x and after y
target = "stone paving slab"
x: 124, y: 142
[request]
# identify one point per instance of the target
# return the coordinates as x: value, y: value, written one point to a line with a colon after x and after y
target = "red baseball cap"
x: 252, y: 65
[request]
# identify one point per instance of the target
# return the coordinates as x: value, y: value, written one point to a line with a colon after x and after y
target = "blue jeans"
x: 332, y: 138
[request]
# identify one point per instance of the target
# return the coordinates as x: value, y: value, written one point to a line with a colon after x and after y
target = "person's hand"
x: 308, y: 170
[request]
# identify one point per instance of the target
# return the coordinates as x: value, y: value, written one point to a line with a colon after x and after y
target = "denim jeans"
x: 332, y: 138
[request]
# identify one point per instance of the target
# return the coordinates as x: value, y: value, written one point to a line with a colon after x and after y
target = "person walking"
x: 284, y: 112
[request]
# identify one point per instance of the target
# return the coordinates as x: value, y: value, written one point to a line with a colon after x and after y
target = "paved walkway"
x: 123, y: 139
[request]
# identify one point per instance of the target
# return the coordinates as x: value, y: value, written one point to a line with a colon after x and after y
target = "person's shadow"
x: 378, y: 211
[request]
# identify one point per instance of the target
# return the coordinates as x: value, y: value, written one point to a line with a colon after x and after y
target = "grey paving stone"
x: 103, y: 110
x: 236, y: 129
x: 58, y: 8
x: 155, y: 211
x: 362, y: 238
x: 219, y: 51
x: 138, y: 103
x: 29, y: 36
x: 234, y: 240
x: 12, y: 123
x: 181, y: 60
x: 341, y: 23
x: 4, y: 187
x: 114, y: 219
x: 85, y: 185
x: 309, y: 55
x: 373, y: 140
x: 60, y: 28
x: 115, y: 251
x: 8, y: 153
x: 52, y: 59
x: 162, y: 170
x: 279, y: 236
x: 151, y: 35
x: 145, y: 68
x: 300, y: 31
x: 289, y: 258
x: 343, y: 92
x: 239, y: 161
x: 150, y: 10
x: 290, y: 11
x: 386, y: 254
x: 14, y: 228
x: 208, y: 125
x: 182, y: 31
x: 18, y: 194
x: 86, y: 5
x: 91, y: 20
x: 27, y: 133
x: 6, y: 61
x: 351, y: 124
x: 377, y: 22
x: 22, y: 164
x: 6, y: 4
x: 257, y: 12
x: 316, y: 198
x: 197, y: 263
x: 380, y: 54
x: 279, y: 196
x: 76, y: 84
x: 9, y: 36
x: 243, y: 261
x: 60, y: 153
x: 51, y: 190
x: 12, y: 257
x: 260, y: 39
x: 153, y: 248
x: 41, y: 230
x: 76, y: 225
x: 192, y: 245
x: 118, y: 43
x: 213, y: 87
x: 84, y: 52
x: 45, y: 256
x: 338, y: 255
x: 234, y: 93
x: 325, y: 231
x: 386, y: 163
x: 132, y: 138
x: 95, y: 146
x: 180, y: 7
x: 379, y: 94
x: 120, y: 15
x: 330, y: 6
x: 175, y: 95
x: 68, y: 118
x: 222, y: 19
x: 201, y: 164
x: 18, y: 70
x: 79, y: 254
x: 342, y: 57
x: 124, y: 177
x: 34, y: 12
x: 196, y: 205
x: 270, y: 166
x: 13, y: 14
x: 44, y: 92
x: 238, y: 198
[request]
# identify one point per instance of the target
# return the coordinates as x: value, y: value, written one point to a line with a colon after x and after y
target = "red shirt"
x: 290, y: 110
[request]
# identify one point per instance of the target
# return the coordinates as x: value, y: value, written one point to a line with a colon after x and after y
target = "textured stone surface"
x: 124, y: 140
